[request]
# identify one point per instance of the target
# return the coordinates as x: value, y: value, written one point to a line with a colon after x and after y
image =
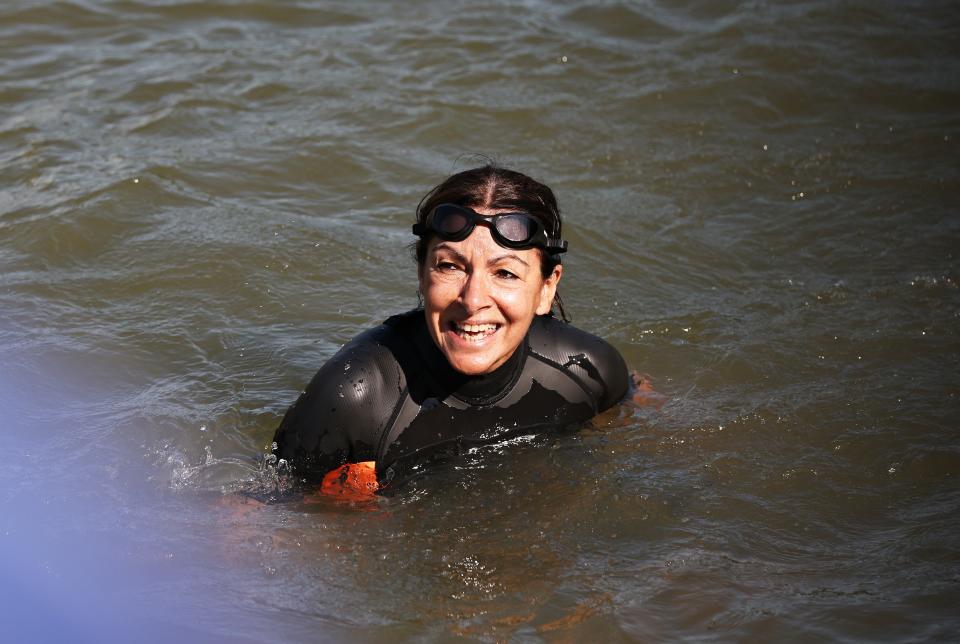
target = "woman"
x: 482, y: 360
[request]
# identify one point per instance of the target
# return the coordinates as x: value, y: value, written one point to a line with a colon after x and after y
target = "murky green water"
x: 201, y: 201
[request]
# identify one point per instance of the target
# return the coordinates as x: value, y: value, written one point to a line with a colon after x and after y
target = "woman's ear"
x: 549, y: 289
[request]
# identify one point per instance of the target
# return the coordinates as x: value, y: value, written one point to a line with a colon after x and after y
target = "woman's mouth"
x: 473, y: 332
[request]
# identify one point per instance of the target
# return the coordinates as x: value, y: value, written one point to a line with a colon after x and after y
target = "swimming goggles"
x: 517, y: 230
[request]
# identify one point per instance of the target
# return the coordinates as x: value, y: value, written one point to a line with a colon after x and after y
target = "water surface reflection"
x: 201, y: 201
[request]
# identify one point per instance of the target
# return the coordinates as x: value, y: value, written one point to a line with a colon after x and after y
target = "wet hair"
x: 491, y: 186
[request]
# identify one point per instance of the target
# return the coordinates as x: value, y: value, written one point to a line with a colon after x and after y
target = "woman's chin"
x: 471, y: 365
x: 470, y: 358
x: 473, y: 369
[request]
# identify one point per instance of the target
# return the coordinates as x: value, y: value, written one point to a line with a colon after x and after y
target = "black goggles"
x: 451, y: 222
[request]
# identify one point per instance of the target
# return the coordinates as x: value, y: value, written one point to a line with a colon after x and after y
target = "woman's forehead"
x: 481, y: 245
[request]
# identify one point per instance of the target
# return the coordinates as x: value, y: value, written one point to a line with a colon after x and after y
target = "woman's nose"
x: 476, y: 293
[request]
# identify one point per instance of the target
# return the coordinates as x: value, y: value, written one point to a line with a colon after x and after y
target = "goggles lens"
x: 448, y: 221
x: 516, y: 228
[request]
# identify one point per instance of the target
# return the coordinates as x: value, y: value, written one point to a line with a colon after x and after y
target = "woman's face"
x: 480, y: 298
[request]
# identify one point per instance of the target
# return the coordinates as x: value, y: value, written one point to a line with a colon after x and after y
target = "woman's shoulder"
x: 557, y: 340
x: 593, y: 360
x: 369, y: 360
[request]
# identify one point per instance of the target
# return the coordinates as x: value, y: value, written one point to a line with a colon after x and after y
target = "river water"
x: 200, y: 201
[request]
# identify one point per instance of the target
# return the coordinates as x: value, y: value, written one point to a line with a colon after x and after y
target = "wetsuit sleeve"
x: 593, y: 362
x: 613, y: 373
x: 340, y: 415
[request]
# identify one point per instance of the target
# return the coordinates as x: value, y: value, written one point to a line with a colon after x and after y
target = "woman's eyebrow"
x: 460, y: 257
x: 505, y: 257
x: 446, y: 247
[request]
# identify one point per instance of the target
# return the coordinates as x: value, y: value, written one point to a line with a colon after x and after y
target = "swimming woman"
x: 482, y: 360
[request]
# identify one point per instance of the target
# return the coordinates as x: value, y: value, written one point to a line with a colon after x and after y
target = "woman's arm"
x: 338, y: 419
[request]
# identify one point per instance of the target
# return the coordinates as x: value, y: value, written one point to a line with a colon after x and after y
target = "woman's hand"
x: 641, y: 391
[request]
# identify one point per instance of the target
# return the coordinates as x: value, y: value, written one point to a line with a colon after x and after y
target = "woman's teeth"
x: 474, y: 332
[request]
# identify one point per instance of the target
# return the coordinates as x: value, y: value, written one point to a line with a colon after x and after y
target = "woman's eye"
x: 446, y: 267
x: 505, y: 274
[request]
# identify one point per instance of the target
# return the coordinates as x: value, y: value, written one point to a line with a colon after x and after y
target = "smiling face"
x: 480, y: 298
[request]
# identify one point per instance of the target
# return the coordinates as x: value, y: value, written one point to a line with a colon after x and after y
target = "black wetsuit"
x: 390, y: 396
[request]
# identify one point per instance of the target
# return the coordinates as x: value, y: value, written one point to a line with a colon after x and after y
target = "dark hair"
x: 490, y: 186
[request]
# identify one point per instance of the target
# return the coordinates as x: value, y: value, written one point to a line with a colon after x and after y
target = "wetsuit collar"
x: 490, y: 387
